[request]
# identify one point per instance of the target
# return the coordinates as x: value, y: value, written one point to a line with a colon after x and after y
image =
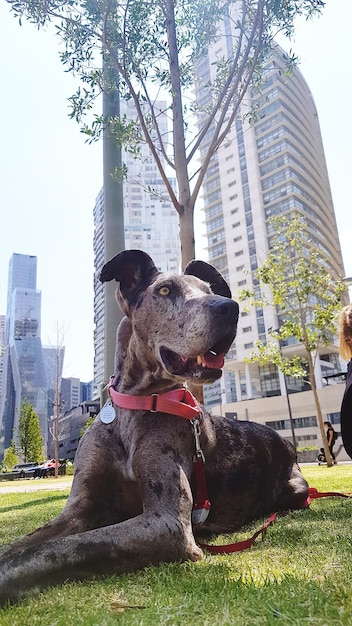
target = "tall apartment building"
x: 25, y: 370
x: 151, y: 225
x: 274, y: 166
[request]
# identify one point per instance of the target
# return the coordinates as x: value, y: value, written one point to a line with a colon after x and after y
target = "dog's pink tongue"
x: 215, y: 361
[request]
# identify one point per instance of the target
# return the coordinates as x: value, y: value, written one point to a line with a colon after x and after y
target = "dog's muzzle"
x: 206, y: 366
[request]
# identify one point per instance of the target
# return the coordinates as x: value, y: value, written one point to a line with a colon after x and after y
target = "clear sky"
x: 49, y: 177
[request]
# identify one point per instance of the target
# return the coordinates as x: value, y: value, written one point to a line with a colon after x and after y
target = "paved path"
x: 52, y: 484
x: 35, y: 485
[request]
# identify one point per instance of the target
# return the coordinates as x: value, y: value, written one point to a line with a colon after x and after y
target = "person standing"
x: 345, y: 348
x: 331, y: 436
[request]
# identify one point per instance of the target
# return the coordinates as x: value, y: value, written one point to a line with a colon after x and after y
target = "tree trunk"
x: 186, y: 206
x: 318, y: 408
x: 114, y: 234
x: 188, y: 254
x: 186, y: 220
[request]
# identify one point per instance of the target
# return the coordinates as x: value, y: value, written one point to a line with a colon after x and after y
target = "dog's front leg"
x: 162, y: 533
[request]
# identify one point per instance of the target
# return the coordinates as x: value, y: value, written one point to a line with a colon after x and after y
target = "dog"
x: 131, y: 500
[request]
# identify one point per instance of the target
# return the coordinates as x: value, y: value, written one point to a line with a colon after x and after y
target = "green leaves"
x: 29, y: 434
x: 135, y: 36
x: 10, y: 457
x: 301, y: 287
x: 270, y: 352
x: 153, y: 49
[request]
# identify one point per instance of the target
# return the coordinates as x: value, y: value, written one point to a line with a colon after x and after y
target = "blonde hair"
x: 345, y: 332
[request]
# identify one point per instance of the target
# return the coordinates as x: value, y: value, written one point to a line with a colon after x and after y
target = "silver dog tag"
x: 107, y: 414
x: 200, y: 515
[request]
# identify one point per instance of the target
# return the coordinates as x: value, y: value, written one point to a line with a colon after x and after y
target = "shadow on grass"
x: 34, y: 502
x: 233, y: 595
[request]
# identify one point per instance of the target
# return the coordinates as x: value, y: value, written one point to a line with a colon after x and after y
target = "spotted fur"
x: 131, y: 499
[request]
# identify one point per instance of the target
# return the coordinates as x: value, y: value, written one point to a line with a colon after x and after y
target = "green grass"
x: 299, y: 574
x: 28, y: 482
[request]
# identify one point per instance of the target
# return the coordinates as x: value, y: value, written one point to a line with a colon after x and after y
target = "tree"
x: 29, y: 434
x: 88, y: 423
x: 10, y: 457
x: 295, y: 278
x: 152, y: 45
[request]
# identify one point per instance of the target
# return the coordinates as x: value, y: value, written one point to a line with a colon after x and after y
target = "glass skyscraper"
x: 25, y: 372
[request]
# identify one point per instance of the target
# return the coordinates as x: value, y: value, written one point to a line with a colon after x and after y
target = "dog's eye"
x: 164, y: 291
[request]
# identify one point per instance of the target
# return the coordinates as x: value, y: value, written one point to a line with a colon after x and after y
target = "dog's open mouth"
x: 206, y: 366
x: 211, y: 359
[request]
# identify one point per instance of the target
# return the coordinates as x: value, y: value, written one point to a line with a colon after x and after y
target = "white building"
x: 150, y: 224
x: 271, y: 167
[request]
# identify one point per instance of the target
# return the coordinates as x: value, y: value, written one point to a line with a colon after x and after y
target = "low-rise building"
x: 71, y: 424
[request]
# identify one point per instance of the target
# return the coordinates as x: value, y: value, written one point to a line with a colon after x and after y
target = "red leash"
x: 239, y: 546
x: 182, y: 403
x: 314, y: 494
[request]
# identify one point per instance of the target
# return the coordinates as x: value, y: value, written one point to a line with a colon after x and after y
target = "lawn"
x: 299, y: 574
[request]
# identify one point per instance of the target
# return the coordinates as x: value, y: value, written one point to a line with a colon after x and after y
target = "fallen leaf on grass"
x: 120, y: 606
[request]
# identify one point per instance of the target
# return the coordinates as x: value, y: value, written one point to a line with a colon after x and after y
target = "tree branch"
x: 224, y: 90
x: 218, y: 136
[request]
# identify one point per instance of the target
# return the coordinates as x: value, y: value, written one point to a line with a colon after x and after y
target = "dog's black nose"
x: 226, y: 308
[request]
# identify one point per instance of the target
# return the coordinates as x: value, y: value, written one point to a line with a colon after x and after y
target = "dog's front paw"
x: 194, y: 552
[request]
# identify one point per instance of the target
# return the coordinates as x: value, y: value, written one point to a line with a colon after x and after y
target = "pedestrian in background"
x: 345, y: 347
x: 331, y: 436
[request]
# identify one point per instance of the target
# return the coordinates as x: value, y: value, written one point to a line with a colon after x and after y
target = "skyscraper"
x: 151, y: 224
x: 25, y: 375
x: 273, y: 166
x: 3, y: 359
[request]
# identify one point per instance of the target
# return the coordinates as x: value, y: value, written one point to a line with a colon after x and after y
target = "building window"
x: 298, y: 422
x: 217, y: 250
x: 334, y: 418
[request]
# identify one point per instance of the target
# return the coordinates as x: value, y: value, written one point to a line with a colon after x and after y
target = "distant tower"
x: 70, y: 393
x: 26, y: 377
x: 3, y: 360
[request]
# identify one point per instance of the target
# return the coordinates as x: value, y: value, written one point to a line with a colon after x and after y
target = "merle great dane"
x: 131, y: 499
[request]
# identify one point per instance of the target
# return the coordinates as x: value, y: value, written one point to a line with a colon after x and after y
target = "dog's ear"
x: 210, y: 275
x: 133, y: 269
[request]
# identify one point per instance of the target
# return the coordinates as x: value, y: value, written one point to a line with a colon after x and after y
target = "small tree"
x: 296, y: 280
x: 152, y: 46
x: 10, y: 457
x: 88, y: 423
x: 29, y: 434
